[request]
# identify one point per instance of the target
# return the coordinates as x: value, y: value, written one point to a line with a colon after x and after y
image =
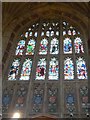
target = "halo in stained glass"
x: 20, y: 47
x: 41, y: 69
x: 26, y: 69
x: 67, y: 46
x: 68, y: 69
x: 43, y: 47
x: 53, y: 69
x: 54, y: 48
x: 78, y: 45
x: 30, y: 47
x: 81, y: 68
x: 14, y: 69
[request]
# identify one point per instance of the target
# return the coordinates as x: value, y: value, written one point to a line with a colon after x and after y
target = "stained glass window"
x: 30, y: 34
x: 70, y: 99
x: 69, y: 32
x: 70, y: 103
x: 52, y: 99
x: 57, y: 33
x: 81, y: 68
x: 20, y: 47
x: 38, y: 95
x: 42, y: 33
x: 20, y: 97
x: 14, y: 69
x: 68, y: 69
x: 26, y: 69
x: 52, y: 33
x: 64, y: 32
x: 78, y: 45
x: 30, y: 47
x: 67, y: 46
x: 54, y: 48
x: 26, y: 34
x: 84, y: 98
x: 43, y: 47
x: 53, y: 69
x: 36, y: 34
x: 7, y: 97
x: 41, y: 69
x: 48, y: 33
x: 74, y: 32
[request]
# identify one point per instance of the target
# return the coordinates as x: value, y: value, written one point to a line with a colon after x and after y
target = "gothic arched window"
x: 50, y: 59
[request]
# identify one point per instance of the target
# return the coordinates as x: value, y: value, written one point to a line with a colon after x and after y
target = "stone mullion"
x: 75, y: 73
x: 47, y: 74
x: 33, y: 73
x: 57, y: 56
x: 61, y: 82
x: 22, y: 59
x: 58, y: 82
x: 78, y: 101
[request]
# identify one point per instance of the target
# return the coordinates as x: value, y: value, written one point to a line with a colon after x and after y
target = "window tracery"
x: 54, y: 53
